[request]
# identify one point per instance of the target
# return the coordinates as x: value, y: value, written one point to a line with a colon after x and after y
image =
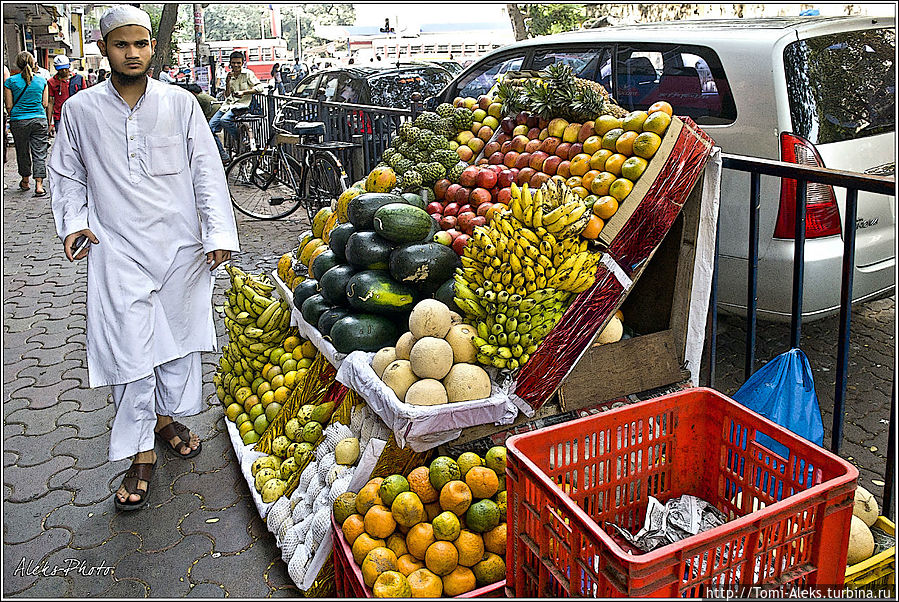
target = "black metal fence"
x: 853, y: 183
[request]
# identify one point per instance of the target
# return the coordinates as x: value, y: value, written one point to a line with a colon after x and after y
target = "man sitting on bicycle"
x: 240, y: 85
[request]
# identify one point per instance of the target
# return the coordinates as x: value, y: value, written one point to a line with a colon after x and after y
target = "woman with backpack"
x: 27, y: 99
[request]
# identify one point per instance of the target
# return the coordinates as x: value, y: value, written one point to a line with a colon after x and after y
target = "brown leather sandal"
x: 140, y: 471
x: 176, y: 429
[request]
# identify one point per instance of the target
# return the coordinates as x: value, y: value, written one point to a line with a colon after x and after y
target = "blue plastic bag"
x: 783, y: 391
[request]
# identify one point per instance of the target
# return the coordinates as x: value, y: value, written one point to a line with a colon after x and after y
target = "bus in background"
x: 261, y: 55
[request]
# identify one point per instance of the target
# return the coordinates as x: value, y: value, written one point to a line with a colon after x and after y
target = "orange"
x: 433, y: 510
x: 625, y: 143
x: 633, y: 121
x: 662, y: 106
x: 408, y: 564
x: 391, y: 487
x: 634, y: 167
x: 425, y: 584
x: 495, y: 540
x: 580, y: 164
x: 364, y: 544
x: 647, y: 144
x: 573, y: 181
x: 481, y: 517
x: 592, y: 144
x: 459, y: 582
x: 599, y: 158
x: 291, y: 343
x: 442, y: 470
x: 455, y: 497
x: 391, y: 584
x: 419, y: 483
x: 419, y: 538
x: 490, y: 570
x: 376, y: 562
x: 500, y: 500
x: 397, y: 543
x: 442, y: 558
x: 495, y: 460
x: 344, y: 506
x: 353, y: 527
x: 605, y: 207
x: 614, y: 163
x: 657, y: 123
x: 592, y: 230
x: 610, y: 137
x: 408, y: 510
x: 467, y: 460
x: 621, y: 188
x: 482, y: 481
x: 604, y: 123
x: 368, y: 496
x: 470, y: 547
x: 580, y: 191
x: 601, y: 183
x: 379, y: 521
x: 588, y: 178
x: 446, y: 526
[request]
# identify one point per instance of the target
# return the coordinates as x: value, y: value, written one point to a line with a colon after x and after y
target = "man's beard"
x: 126, y: 79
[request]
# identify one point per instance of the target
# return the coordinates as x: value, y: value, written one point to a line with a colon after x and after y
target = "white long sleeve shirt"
x: 149, y: 184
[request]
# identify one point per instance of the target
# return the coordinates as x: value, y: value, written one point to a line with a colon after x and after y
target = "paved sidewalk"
x: 201, y: 535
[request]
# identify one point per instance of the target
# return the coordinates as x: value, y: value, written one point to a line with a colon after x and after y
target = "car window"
x: 308, y: 87
x: 395, y: 89
x: 327, y: 89
x: 842, y: 86
x: 584, y: 63
x: 348, y: 90
x: 691, y: 78
x: 480, y: 80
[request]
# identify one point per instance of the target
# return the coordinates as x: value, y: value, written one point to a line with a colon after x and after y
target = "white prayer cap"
x: 121, y: 15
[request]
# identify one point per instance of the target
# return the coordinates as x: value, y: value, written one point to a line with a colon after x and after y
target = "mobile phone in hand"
x: 81, y: 243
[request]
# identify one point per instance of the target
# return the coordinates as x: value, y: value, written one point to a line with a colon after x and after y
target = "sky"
x: 368, y: 14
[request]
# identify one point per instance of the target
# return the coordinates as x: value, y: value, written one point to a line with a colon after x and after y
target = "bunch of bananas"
x: 553, y: 206
x: 517, y: 278
x: 256, y: 324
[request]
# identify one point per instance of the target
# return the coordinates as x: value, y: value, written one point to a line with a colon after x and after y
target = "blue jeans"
x: 223, y: 119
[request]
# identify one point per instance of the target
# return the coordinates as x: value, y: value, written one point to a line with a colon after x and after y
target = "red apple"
x: 542, y: 123
x: 507, y: 124
x: 460, y: 198
x: 443, y: 237
x: 451, y: 209
x: 585, y: 132
x: 497, y: 169
x: 482, y: 161
x: 487, y: 179
x: 466, y: 208
x: 503, y: 196
x: 549, y: 145
x: 484, y: 101
x: 480, y: 195
x: 523, y: 160
x: 514, y: 171
x: 451, y: 193
x: 483, y: 208
x: 491, y: 148
x: 524, y: 175
x: 448, y: 221
x: 510, y: 159
x: 454, y: 233
x: 480, y: 220
x: 485, y: 133
x: 505, y: 147
x: 519, y: 143
x: 440, y: 187
x: 537, y: 159
x: 469, y: 176
x: 459, y: 244
x: 505, y: 178
x: 563, y: 150
x: 538, y: 179
x: 563, y: 169
x: 533, y: 133
x: 532, y: 146
x: 503, y: 137
x: 495, y: 159
x: 434, y: 207
x: 551, y: 164
x: 533, y: 121
x: 522, y: 118
x: 575, y: 149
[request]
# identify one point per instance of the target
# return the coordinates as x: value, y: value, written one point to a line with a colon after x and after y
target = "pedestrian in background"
x: 134, y: 169
x: 165, y: 75
x: 62, y: 86
x: 5, y: 110
x: 101, y: 75
x: 240, y: 85
x: 208, y: 103
x: 26, y: 96
x: 276, y: 74
x: 91, y: 77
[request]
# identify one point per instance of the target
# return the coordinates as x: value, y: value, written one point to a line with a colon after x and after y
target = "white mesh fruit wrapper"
x: 325, y: 465
x: 339, y: 487
x: 336, y: 471
x: 356, y: 420
x: 277, y: 514
x: 296, y: 498
x: 282, y: 530
x: 311, y: 542
x: 312, y: 490
x: 297, y: 566
x: 289, y: 544
x: 300, y: 512
x: 338, y: 432
x: 309, y: 473
x: 321, y: 500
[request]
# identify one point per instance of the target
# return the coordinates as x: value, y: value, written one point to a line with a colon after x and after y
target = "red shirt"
x: 59, y: 92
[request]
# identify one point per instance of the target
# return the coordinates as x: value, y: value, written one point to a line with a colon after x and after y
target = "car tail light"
x: 822, y: 215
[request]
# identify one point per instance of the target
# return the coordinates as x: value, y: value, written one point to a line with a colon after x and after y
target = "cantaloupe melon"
x: 461, y: 339
x: 865, y: 506
x: 399, y: 377
x: 466, y: 382
x: 430, y: 318
x: 404, y: 346
x: 382, y: 359
x: 455, y: 318
x: 611, y: 333
x: 426, y: 392
x: 861, y: 542
x: 431, y: 358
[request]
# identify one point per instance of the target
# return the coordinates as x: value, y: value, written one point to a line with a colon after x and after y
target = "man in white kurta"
x: 147, y: 182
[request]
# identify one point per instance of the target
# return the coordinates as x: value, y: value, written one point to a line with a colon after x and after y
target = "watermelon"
x: 313, y: 308
x: 304, y: 290
x: 424, y: 265
x: 329, y: 318
x: 337, y: 242
x: 333, y: 284
x: 361, y: 210
x: 368, y: 251
x: 446, y: 293
x: 402, y: 223
x: 363, y: 332
x: 322, y: 263
x: 373, y: 291
x: 414, y: 199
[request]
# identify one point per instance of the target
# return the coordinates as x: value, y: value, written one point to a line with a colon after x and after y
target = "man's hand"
x: 217, y: 257
x: 69, y: 244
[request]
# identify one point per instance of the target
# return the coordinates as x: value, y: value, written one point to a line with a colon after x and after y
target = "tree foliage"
x: 532, y: 20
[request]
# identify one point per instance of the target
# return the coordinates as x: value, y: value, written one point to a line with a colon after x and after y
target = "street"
x: 201, y: 535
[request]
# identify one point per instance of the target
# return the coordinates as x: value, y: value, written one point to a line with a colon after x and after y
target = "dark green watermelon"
x: 330, y: 317
x: 363, y: 332
x: 369, y: 251
x: 333, y: 284
x: 304, y: 290
x: 313, y: 308
x: 361, y: 210
x: 446, y: 295
x: 338, y: 239
x: 424, y: 265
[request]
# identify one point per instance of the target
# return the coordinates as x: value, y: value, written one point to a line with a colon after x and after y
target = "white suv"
x: 811, y: 90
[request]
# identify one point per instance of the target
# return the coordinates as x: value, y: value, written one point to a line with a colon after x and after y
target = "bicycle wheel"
x: 326, y: 180
x: 263, y: 186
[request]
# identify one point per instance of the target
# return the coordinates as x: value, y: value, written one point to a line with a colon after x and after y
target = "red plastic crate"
x: 696, y: 441
x: 348, y: 575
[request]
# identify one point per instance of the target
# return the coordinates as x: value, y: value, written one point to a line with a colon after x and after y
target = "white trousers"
x: 174, y: 389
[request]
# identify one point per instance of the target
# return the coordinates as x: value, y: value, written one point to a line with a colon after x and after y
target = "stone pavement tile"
x: 217, y: 489
x: 157, y: 525
x: 13, y: 405
x: 36, y: 449
x: 11, y: 371
x: 276, y: 575
x: 40, y: 396
x: 23, y: 521
x: 124, y: 589
x: 91, y: 485
x: 51, y: 358
x: 229, y: 530
x: 89, y: 399
x: 166, y: 572
x: 90, y: 424
x: 250, y: 565
x: 9, y: 458
x: 41, y: 421
x: 11, y: 430
x: 101, y: 558
x: 89, y: 452
x: 89, y: 524
x: 217, y: 454
x: 28, y: 484
x: 53, y: 586
x: 33, y: 552
x: 287, y: 591
x: 206, y: 590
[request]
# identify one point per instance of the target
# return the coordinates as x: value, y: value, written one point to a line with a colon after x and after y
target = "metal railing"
x: 853, y: 183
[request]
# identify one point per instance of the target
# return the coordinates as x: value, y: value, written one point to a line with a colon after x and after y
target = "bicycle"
x: 270, y: 183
